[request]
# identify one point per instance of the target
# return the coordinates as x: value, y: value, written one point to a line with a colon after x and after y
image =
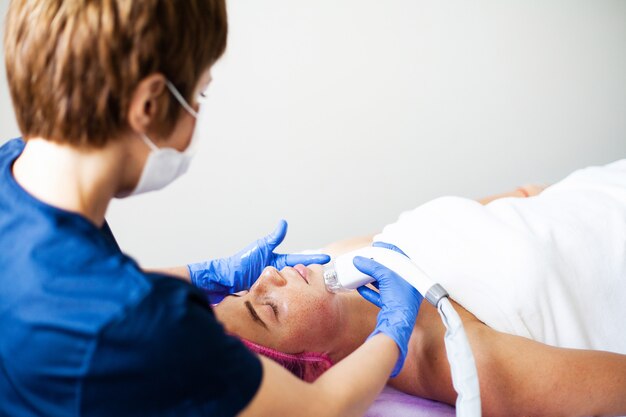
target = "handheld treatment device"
x: 341, y: 275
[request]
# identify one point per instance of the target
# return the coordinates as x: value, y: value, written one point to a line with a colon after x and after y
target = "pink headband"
x: 307, y: 366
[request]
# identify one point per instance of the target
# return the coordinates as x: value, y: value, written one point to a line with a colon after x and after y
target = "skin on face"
x: 285, y: 310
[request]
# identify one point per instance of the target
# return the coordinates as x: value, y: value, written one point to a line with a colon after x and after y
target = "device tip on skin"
x: 330, y: 278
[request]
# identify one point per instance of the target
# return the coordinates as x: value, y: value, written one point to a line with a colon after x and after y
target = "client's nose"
x: 271, y: 278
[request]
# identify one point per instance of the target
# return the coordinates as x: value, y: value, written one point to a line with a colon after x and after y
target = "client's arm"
x: 524, y: 191
x: 517, y: 376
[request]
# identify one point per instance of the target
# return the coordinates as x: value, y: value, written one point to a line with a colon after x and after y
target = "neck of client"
x: 357, y: 324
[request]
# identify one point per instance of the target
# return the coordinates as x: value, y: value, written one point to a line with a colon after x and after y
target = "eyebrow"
x: 254, y: 315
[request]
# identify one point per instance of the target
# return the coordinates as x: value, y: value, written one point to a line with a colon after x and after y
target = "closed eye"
x: 274, y: 308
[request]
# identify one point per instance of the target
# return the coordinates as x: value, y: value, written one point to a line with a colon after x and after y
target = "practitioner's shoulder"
x: 168, y: 352
x: 11, y: 148
x: 8, y: 153
x: 156, y: 304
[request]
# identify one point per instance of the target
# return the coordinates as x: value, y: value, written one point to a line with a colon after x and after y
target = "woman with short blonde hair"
x: 106, y: 94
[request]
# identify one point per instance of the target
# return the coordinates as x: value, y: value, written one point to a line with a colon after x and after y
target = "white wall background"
x: 339, y: 114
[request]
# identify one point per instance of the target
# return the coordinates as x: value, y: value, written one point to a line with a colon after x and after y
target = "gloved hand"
x: 398, y: 300
x: 220, y: 277
x: 368, y: 293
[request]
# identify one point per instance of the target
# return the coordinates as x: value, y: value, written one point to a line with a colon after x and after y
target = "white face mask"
x: 164, y: 165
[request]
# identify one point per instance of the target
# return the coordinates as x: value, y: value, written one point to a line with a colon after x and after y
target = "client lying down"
x: 539, y: 282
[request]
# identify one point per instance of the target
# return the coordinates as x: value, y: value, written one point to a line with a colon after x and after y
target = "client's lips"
x: 303, y: 271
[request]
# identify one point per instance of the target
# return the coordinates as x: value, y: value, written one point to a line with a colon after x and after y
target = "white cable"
x: 462, y: 365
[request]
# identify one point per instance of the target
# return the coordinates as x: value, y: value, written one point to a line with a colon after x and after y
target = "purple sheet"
x: 394, y: 403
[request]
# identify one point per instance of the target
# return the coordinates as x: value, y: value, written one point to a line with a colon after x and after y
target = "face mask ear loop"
x: 181, y: 99
x: 148, y: 142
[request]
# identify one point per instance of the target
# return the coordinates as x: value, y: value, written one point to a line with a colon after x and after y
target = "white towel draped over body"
x: 551, y: 267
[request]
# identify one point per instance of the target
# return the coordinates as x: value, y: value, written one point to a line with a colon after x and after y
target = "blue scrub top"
x: 85, y: 332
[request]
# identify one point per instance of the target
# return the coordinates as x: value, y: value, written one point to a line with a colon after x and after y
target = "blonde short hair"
x: 72, y: 65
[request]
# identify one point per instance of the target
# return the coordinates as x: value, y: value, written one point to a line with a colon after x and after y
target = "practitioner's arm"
x: 219, y: 277
x: 181, y: 272
x: 346, y: 389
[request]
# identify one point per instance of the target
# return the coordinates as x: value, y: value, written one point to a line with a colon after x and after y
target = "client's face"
x: 288, y: 310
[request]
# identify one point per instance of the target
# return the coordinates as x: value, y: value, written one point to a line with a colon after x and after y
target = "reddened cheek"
x: 314, y: 323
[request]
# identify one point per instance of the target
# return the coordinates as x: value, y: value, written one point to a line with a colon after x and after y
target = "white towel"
x: 551, y: 268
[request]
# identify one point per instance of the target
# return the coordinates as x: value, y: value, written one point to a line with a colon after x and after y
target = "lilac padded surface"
x: 393, y: 403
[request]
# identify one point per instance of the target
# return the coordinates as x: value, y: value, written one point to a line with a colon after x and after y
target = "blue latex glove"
x: 399, y: 303
x: 368, y: 293
x: 220, y: 277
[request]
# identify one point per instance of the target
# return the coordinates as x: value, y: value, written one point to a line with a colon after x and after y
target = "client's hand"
x: 530, y: 190
x: 399, y: 303
x: 229, y: 275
